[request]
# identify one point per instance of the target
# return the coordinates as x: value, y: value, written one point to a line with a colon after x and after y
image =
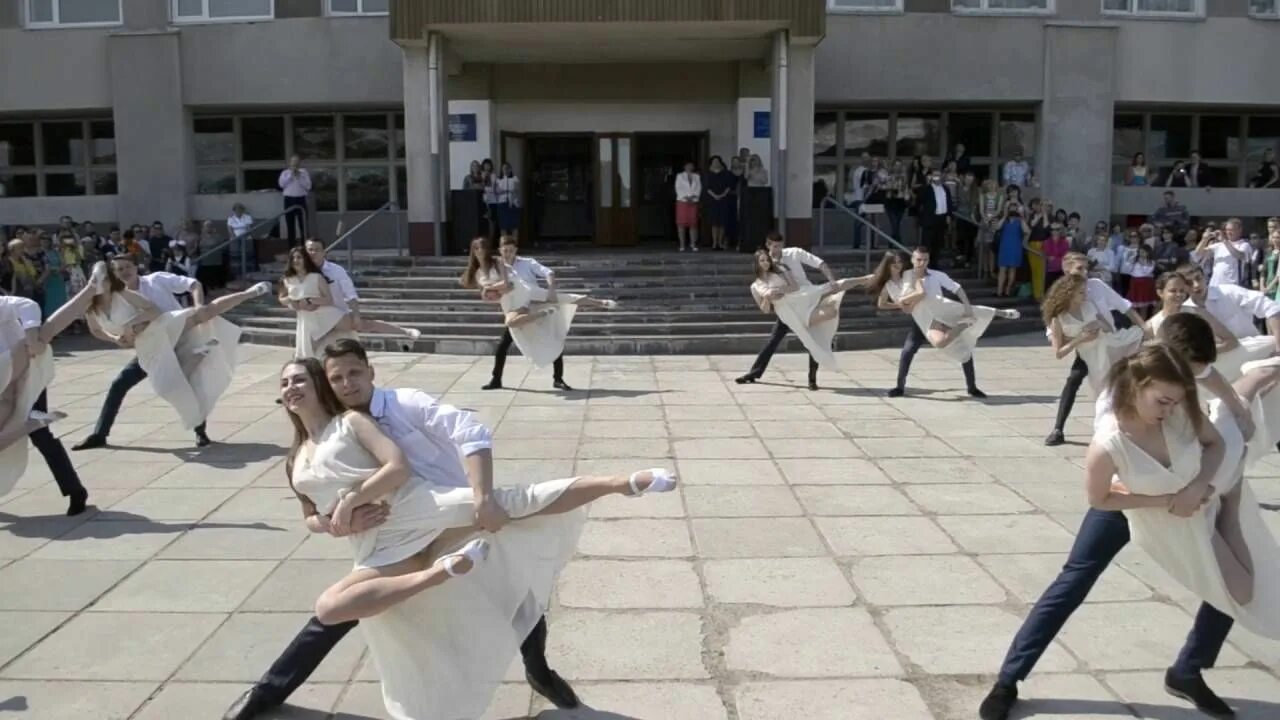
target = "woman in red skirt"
x: 688, y: 193
x: 1142, y: 283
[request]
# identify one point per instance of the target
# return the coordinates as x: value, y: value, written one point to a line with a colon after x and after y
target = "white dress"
x: 13, y: 459
x: 542, y: 340
x: 796, y: 307
x: 1183, y: 546
x: 933, y: 310
x: 1251, y: 348
x: 185, y: 367
x: 1103, y: 352
x: 312, y: 325
x: 442, y: 653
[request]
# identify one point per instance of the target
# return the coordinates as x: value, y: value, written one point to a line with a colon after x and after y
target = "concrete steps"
x: 672, y: 303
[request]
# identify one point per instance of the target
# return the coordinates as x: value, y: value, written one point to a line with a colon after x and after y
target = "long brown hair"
x: 307, y: 263
x: 1156, y: 361
x: 1057, y: 299
x: 884, y: 271
x: 473, y: 261
x: 328, y: 401
x: 755, y: 264
x: 102, y: 303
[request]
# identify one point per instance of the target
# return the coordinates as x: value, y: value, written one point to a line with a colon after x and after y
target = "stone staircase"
x: 672, y: 303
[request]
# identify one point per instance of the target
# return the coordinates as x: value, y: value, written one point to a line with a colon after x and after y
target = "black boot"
x: 1195, y: 690
x: 545, y: 681
x: 494, y: 384
x: 92, y: 442
x: 997, y: 704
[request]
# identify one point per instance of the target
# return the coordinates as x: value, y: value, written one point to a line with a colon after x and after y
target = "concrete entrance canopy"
x: 475, y: 48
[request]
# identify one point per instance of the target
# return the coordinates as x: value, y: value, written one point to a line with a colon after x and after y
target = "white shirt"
x: 530, y: 270
x: 343, y: 291
x: 17, y: 315
x: 688, y: 185
x: 794, y: 261
x: 1105, y: 299
x: 508, y: 189
x: 160, y: 288
x: 238, y: 225
x: 855, y: 183
x: 295, y: 183
x: 1236, y: 307
x: 939, y: 200
x: 935, y: 281
x: 1103, y: 258
x: 1016, y: 173
x: 1226, y: 269
x: 434, y: 437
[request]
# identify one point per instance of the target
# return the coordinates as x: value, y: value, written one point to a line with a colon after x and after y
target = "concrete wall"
x: 45, y: 71
x: 47, y: 210
x: 1211, y: 203
x: 1217, y: 61
x: 694, y: 82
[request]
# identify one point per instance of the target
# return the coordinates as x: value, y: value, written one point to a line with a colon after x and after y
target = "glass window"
x: 825, y: 182
x: 104, y: 182
x: 402, y: 187
x: 365, y: 137
x: 73, y: 12
x: 64, y: 184
x: 1220, y: 137
x: 1265, y: 8
x: 261, y: 139
x: 17, y: 144
x: 1002, y: 5
x: 866, y: 134
x: 215, y: 181
x: 1126, y: 139
x: 865, y: 5
x: 1153, y: 7
x: 399, y: 135
x: 63, y: 143
x: 314, y: 137
x: 102, y: 139
x: 824, y: 133
x: 324, y: 189
x: 261, y: 179
x: 1170, y: 137
x: 1264, y: 132
x: 1017, y: 134
x: 17, y: 185
x: 972, y: 129
x: 222, y: 9
x: 918, y: 135
x: 215, y: 140
x: 358, y: 7
x: 368, y: 188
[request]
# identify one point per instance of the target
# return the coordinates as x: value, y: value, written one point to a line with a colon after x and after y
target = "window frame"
x: 57, y: 24
x: 1136, y: 12
x: 1273, y: 15
x: 1242, y: 166
x: 204, y: 19
x: 1049, y: 9
x: 834, y: 8
x: 328, y: 6
x: 41, y: 170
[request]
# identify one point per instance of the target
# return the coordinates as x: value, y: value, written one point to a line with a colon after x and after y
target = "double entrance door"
x: 607, y: 189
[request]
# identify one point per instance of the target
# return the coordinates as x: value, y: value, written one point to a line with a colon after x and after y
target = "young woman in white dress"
x: 539, y: 318
x: 440, y: 654
x: 812, y: 312
x: 189, y: 355
x: 305, y: 290
x: 1178, y: 479
x: 1076, y: 325
x: 945, y: 323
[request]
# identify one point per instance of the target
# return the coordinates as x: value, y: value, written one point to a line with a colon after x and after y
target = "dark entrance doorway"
x: 561, y: 180
x: 659, y: 157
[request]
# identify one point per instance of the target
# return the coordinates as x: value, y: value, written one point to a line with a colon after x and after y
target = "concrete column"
x: 153, y: 149
x: 420, y: 172
x: 1073, y: 160
x: 798, y: 202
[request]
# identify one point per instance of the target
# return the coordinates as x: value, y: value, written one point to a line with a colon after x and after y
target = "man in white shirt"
x: 792, y: 262
x: 934, y: 282
x: 448, y: 445
x: 239, y: 223
x: 688, y: 195
x: 531, y: 271
x: 1230, y: 253
x: 161, y: 288
x: 1233, y: 306
x: 345, y: 298
x: 1016, y: 171
x: 26, y: 313
x: 1109, y: 302
x: 295, y: 185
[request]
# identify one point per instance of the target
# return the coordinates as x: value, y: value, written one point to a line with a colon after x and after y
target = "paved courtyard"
x: 832, y: 555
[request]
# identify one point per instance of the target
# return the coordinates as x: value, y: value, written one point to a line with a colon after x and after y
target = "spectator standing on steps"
x: 295, y: 184
x: 239, y: 223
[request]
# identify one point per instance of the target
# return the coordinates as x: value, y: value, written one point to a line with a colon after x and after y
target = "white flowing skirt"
x: 542, y: 340
x: 13, y: 459
x: 312, y: 327
x: 1106, y: 351
x: 442, y: 653
x: 189, y: 382
x: 1257, y: 347
x: 794, y: 310
x: 946, y: 312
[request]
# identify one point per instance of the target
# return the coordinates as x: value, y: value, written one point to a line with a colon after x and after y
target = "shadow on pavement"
x: 17, y: 703
x: 224, y: 455
x: 116, y: 524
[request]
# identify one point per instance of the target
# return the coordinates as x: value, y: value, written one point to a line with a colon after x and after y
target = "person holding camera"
x: 1013, y: 235
x: 1228, y: 251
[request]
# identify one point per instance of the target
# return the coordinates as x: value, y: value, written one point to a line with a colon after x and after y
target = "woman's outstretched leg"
x: 1231, y: 549
x: 386, y: 328
x: 524, y: 316
x: 227, y: 303
x: 69, y: 312
x: 588, y: 489
x: 588, y: 301
x: 826, y: 310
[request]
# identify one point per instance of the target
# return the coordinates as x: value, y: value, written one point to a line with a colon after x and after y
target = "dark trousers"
x: 131, y: 375
x: 1102, y: 534
x: 500, y: 359
x: 55, y: 455
x: 295, y: 223
x: 1079, y: 371
x: 761, y: 364
x: 310, y: 647
x: 935, y: 234
x: 915, y: 340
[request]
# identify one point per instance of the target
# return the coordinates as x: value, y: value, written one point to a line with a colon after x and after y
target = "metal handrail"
x: 247, y: 235
x: 390, y: 205
x: 830, y: 199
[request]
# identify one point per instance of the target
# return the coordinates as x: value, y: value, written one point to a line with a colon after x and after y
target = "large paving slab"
x: 832, y: 554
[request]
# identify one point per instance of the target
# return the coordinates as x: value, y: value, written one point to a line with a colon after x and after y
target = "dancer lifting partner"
x: 789, y: 264
x: 345, y: 298
x: 1074, y: 324
x: 537, y: 319
x: 306, y: 291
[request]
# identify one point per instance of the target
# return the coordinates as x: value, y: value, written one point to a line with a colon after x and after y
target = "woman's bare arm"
x: 1099, y: 469
x: 394, y: 468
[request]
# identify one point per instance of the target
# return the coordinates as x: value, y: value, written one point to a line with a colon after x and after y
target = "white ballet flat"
x: 262, y: 288
x: 663, y: 481
x: 46, y: 418
x: 610, y: 304
x: 1010, y: 314
x: 477, y: 551
x: 413, y: 333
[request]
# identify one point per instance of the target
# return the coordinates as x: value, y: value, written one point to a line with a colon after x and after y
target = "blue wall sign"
x: 762, y: 125
x: 462, y: 127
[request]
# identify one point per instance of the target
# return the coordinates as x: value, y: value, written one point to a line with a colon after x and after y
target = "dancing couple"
x: 535, y: 318
x: 1161, y: 468
x: 452, y: 576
